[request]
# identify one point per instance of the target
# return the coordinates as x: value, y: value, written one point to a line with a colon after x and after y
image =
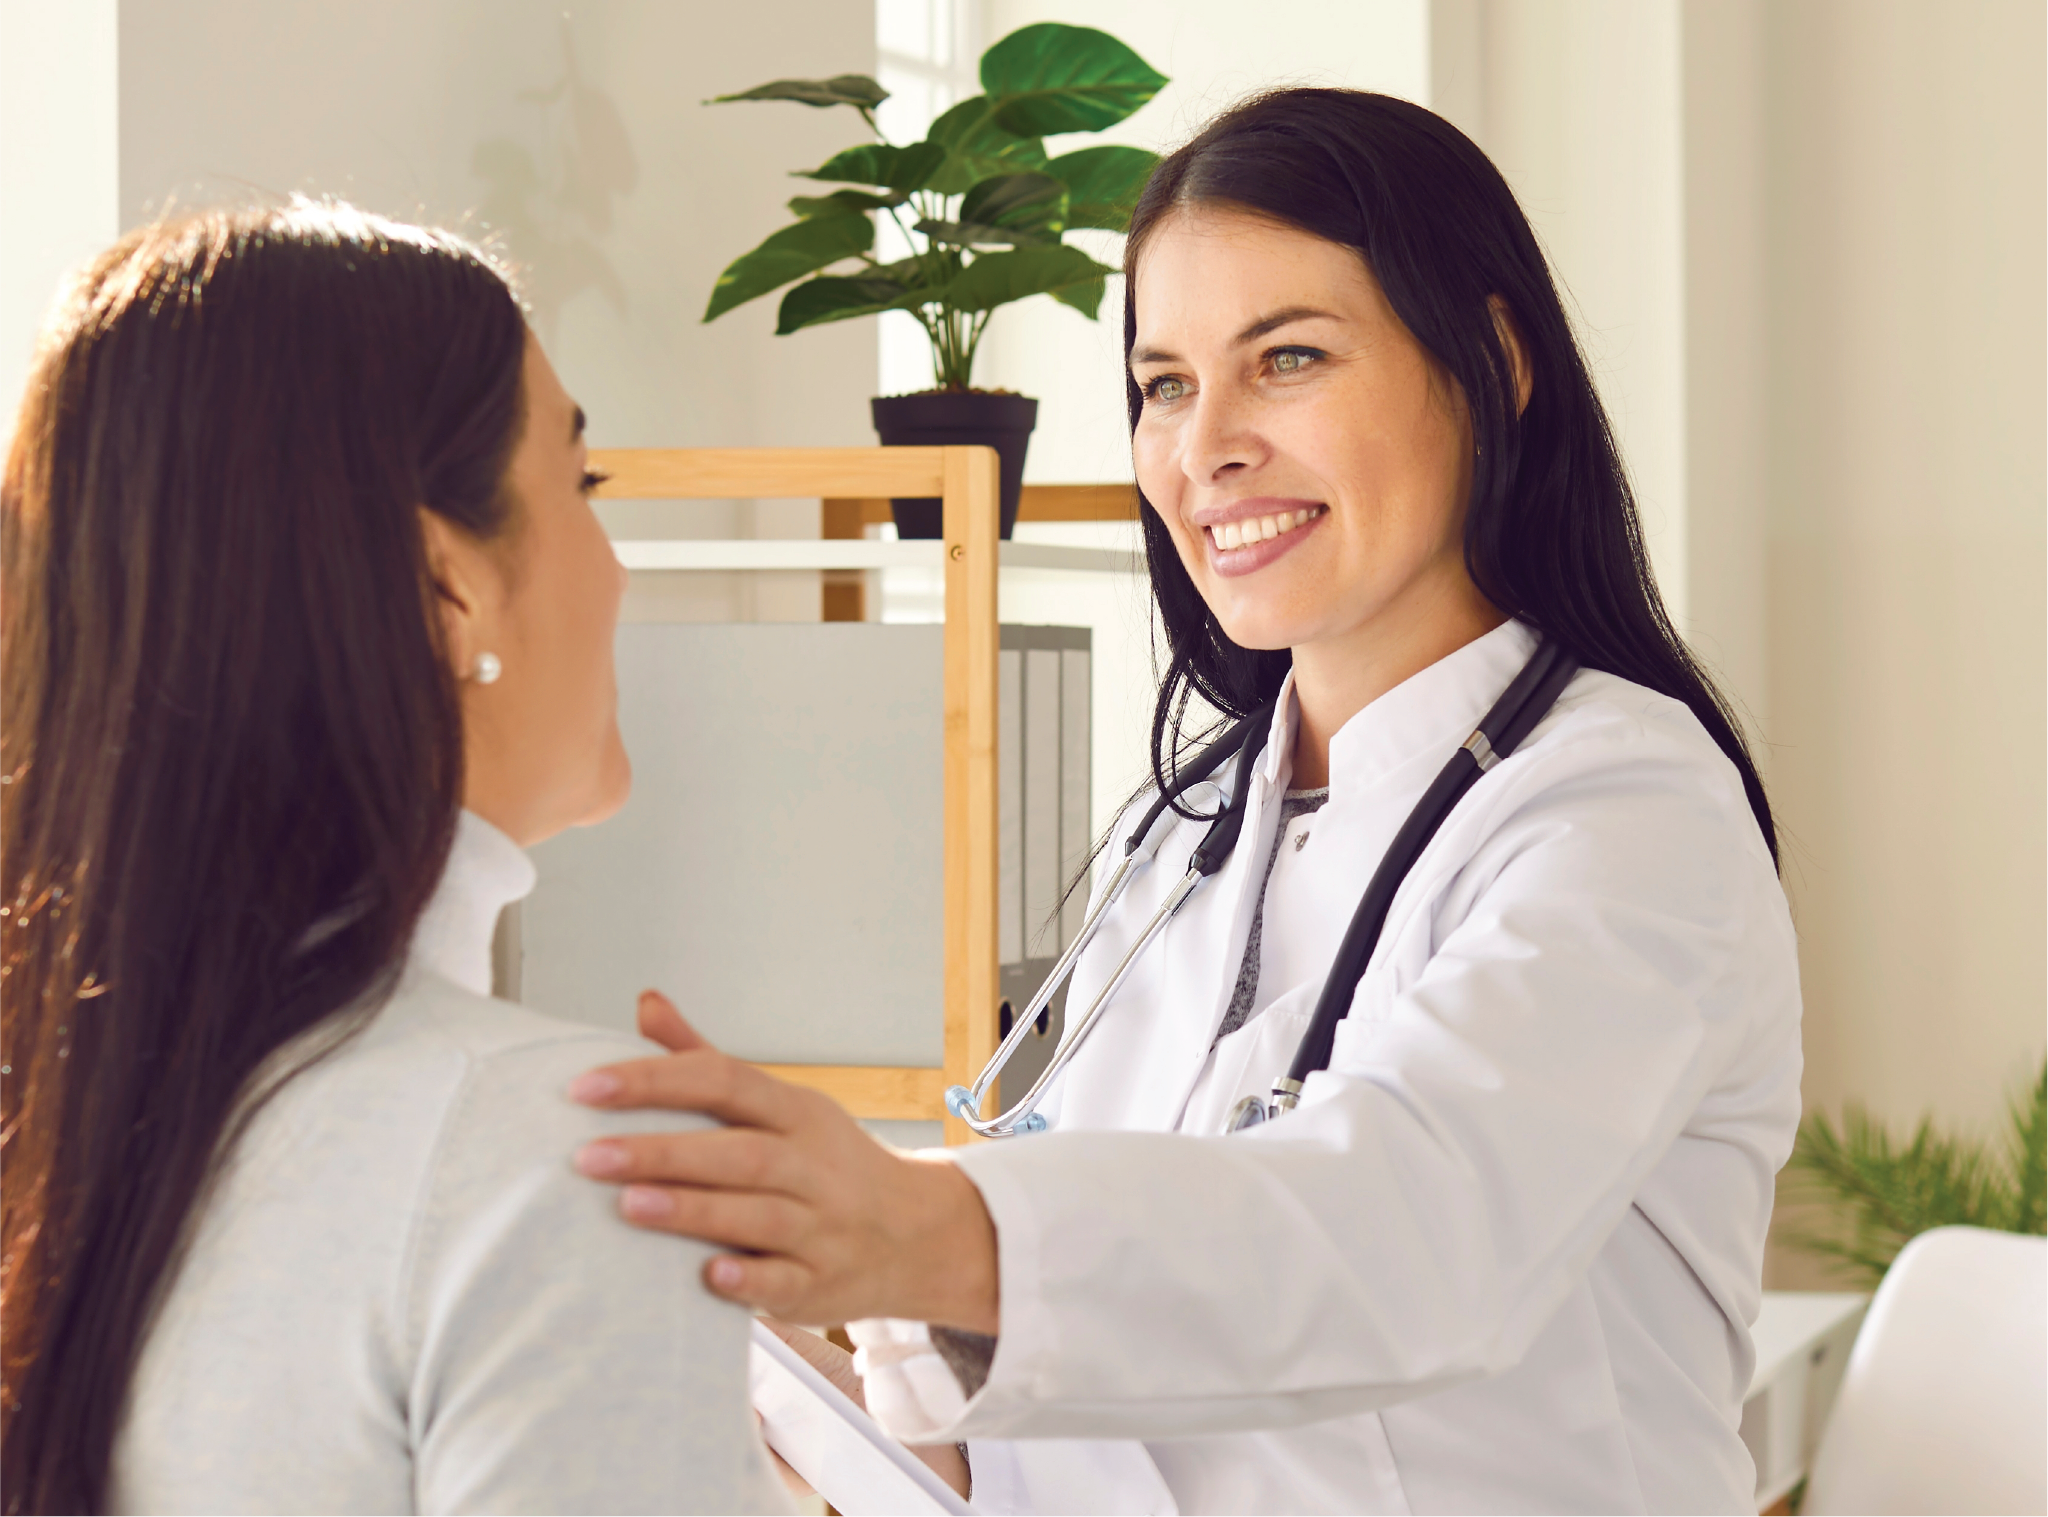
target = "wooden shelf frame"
x: 966, y: 480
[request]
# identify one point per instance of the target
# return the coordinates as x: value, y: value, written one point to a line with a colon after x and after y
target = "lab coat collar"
x: 1279, y: 755
x: 486, y: 872
x: 1419, y: 716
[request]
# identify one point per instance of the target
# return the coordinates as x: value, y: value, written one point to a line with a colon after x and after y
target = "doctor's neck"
x: 1337, y: 677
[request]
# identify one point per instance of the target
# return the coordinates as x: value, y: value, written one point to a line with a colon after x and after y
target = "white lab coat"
x: 1506, y: 1254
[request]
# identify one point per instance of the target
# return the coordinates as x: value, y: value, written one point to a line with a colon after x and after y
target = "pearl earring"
x: 487, y: 669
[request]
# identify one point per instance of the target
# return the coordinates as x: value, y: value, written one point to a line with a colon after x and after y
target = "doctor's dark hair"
x: 1552, y: 536
x: 230, y: 738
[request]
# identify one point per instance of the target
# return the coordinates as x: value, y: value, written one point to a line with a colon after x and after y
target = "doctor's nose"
x: 1220, y: 441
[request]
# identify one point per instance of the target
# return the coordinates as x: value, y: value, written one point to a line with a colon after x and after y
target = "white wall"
x: 1908, y: 527
x: 575, y: 137
x: 59, y: 189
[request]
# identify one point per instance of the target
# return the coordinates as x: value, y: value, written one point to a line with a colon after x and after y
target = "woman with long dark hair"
x: 308, y: 632
x: 1494, y: 1241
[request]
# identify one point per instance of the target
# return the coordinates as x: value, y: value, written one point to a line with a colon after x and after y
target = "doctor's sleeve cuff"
x: 910, y: 1388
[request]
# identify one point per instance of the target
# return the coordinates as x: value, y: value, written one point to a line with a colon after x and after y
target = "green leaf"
x: 844, y: 202
x: 2028, y: 1157
x: 856, y: 90
x: 1085, y: 298
x: 1051, y: 78
x: 789, y: 254
x: 976, y: 148
x: 1103, y: 184
x: 973, y: 234
x: 833, y: 298
x: 1869, y: 1195
x: 895, y: 168
x: 925, y: 277
x: 1030, y: 202
x: 998, y: 278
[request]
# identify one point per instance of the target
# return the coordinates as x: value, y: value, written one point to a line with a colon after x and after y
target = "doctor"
x: 1506, y: 1253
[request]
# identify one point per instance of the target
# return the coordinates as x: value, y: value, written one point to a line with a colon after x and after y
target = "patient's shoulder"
x: 507, y: 1068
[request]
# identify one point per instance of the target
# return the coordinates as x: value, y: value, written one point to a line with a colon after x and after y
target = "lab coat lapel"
x: 1206, y: 943
x: 1148, y: 1049
x: 1143, y: 1061
x: 1381, y: 761
x: 1204, y: 948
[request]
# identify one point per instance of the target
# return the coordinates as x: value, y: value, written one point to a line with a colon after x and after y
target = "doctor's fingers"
x: 661, y: 1023
x: 759, y: 1224
x: 719, y: 1158
x: 700, y: 1079
x: 779, y: 1286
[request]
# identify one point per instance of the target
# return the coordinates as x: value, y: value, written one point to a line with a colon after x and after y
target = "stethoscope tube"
x: 1245, y: 739
x: 1521, y: 706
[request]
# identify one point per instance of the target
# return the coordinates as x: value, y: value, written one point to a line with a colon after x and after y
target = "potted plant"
x: 984, y: 208
x: 1874, y: 1196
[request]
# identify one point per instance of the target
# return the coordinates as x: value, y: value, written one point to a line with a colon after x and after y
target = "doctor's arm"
x: 1415, y: 1224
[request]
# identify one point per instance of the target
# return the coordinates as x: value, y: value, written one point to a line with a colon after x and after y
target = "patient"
x: 308, y: 633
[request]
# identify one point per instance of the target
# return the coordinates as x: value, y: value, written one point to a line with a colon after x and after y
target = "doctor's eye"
x: 592, y: 478
x: 1165, y: 387
x: 1293, y: 360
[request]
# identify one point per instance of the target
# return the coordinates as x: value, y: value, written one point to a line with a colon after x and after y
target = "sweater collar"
x: 486, y: 872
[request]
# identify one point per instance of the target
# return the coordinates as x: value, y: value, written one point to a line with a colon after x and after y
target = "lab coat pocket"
x: 1247, y: 1062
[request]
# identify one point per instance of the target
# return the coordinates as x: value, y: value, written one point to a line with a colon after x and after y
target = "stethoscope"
x: 1521, y: 706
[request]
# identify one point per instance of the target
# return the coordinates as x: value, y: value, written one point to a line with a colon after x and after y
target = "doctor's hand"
x: 825, y: 1223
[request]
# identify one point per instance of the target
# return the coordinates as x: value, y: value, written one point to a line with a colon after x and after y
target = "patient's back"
x: 399, y: 1298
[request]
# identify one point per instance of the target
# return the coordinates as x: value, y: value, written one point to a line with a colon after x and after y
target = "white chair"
x: 1944, y: 1405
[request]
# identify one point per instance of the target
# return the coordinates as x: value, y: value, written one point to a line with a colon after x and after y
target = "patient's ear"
x: 468, y: 589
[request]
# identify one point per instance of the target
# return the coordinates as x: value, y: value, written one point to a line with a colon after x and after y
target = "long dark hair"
x: 1551, y: 532
x: 230, y: 741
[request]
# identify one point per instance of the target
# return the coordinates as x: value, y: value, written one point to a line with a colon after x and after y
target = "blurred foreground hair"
x: 230, y: 741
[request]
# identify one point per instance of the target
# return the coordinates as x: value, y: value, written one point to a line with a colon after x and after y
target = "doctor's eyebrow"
x: 1252, y: 333
x: 576, y: 425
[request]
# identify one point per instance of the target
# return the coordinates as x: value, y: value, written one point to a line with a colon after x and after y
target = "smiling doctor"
x: 1505, y: 1253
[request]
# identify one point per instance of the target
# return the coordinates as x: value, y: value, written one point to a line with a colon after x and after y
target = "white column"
x: 1726, y: 481
x: 1579, y: 103
x: 59, y: 162
x: 1631, y: 130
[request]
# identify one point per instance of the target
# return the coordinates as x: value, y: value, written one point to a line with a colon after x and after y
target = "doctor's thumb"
x: 663, y: 1024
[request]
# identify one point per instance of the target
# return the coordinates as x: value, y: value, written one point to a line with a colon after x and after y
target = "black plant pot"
x: 953, y: 418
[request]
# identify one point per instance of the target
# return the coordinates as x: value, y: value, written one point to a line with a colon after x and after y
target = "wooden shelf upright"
x: 965, y: 478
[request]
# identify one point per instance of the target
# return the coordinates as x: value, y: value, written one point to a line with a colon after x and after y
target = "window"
x: 928, y: 54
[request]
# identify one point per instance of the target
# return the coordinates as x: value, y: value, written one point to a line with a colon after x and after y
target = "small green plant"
x: 1879, y: 1195
x: 980, y: 201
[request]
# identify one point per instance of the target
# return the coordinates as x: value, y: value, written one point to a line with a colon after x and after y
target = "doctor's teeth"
x: 1257, y: 529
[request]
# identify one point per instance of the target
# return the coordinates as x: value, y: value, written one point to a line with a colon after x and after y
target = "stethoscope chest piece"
x: 1249, y: 1112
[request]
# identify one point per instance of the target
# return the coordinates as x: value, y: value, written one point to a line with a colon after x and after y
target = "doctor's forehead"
x: 1222, y: 275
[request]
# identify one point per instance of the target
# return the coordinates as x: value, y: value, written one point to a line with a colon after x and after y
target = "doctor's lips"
x: 1249, y: 534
